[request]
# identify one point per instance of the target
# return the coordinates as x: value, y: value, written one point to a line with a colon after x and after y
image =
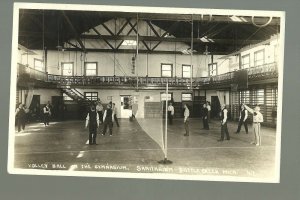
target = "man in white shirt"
x: 243, y: 120
x: 209, y: 109
x: 224, y: 128
x: 170, y: 113
x: 257, y: 119
x: 186, y: 120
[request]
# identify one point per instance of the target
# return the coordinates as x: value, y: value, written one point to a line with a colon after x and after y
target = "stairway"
x: 79, y: 98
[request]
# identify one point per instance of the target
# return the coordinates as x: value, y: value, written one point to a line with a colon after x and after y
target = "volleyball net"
x: 155, y: 123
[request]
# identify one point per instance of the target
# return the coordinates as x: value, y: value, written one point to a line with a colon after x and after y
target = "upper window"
x: 90, y: 68
x: 186, y: 97
x: 186, y: 71
x: 163, y: 96
x: 93, y: 96
x: 166, y: 70
x: 246, y: 61
x: 38, y: 64
x: 212, y: 69
x: 259, y: 58
x: 67, y: 69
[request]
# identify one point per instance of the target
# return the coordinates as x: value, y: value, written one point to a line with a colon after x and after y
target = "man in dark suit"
x: 243, y: 120
x: 224, y: 128
x: 205, y: 117
x: 92, y: 121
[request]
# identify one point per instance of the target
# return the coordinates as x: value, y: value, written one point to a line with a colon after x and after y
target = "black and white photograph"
x: 146, y: 92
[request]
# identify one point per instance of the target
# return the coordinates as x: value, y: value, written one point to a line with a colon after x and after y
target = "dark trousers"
x: 46, y: 119
x: 205, y: 123
x: 224, y: 129
x: 100, y: 113
x: 110, y: 125
x: 21, y: 124
x: 241, y: 122
x: 208, y: 116
x: 170, y: 116
x: 186, y: 126
x: 116, y: 120
x: 93, y: 134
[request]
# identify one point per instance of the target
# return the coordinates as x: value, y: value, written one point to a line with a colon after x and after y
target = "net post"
x: 165, y: 142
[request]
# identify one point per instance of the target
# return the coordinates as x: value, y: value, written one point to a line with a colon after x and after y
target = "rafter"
x: 103, y: 38
x: 110, y: 32
x: 73, y: 30
x: 173, y: 26
x: 139, y: 36
x: 152, y: 28
x: 127, y: 33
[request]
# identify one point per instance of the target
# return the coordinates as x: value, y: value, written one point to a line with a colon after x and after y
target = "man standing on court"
x: 208, y: 109
x: 186, y: 120
x: 170, y: 113
x: 99, y: 109
x: 115, y: 114
x: 92, y: 121
x: 243, y: 120
x: 224, y: 128
x: 108, y: 120
x: 257, y: 119
x: 205, y: 117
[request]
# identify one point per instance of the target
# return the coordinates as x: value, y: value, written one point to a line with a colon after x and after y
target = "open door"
x: 126, y: 106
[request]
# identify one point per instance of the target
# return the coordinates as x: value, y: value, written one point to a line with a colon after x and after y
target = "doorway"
x: 126, y: 106
x: 215, y: 107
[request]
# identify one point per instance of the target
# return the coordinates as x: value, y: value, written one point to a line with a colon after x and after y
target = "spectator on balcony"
x: 208, y: 109
x: 92, y: 121
x: 99, y: 109
x: 243, y: 120
x: 224, y: 128
x: 257, y: 119
x: 170, y: 113
x: 20, y: 117
x: 115, y: 112
x: 186, y: 120
x: 47, y: 114
x: 108, y: 120
x: 205, y: 117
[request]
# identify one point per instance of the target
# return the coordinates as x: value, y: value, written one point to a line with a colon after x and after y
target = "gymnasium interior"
x: 70, y: 58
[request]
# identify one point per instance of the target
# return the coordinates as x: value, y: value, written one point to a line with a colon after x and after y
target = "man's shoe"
x: 220, y: 140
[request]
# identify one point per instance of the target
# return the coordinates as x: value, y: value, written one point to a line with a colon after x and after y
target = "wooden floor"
x: 63, y: 146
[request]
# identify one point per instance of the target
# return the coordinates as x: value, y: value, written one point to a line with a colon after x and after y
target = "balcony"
x: 260, y: 74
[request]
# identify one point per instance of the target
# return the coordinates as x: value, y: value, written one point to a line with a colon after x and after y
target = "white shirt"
x: 186, y: 113
x: 208, y: 107
x: 257, y: 116
x: 171, y: 108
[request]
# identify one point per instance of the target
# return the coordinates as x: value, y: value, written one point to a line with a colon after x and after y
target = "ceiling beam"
x: 127, y: 33
x: 74, y: 31
x: 152, y: 28
x: 143, y: 41
x: 169, y: 39
x: 140, y: 51
x: 171, y: 28
x: 105, y: 40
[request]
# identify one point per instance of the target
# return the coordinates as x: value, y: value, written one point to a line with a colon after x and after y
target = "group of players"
x: 243, y: 120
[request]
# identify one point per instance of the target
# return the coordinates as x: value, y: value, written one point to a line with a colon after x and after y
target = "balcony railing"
x: 255, y: 73
x: 28, y: 72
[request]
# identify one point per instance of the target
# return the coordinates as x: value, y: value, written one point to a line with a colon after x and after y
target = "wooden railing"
x: 26, y: 71
x: 254, y: 73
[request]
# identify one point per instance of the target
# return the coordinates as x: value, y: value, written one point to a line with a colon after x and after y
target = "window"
x: 186, y: 97
x: 93, y: 96
x: 259, y: 58
x: 246, y: 61
x: 38, y: 64
x: 212, y: 69
x: 90, y: 68
x: 163, y: 96
x: 166, y: 70
x: 186, y: 71
x: 67, y: 69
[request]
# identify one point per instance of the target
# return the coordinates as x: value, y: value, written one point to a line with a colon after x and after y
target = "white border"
x: 163, y: 10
